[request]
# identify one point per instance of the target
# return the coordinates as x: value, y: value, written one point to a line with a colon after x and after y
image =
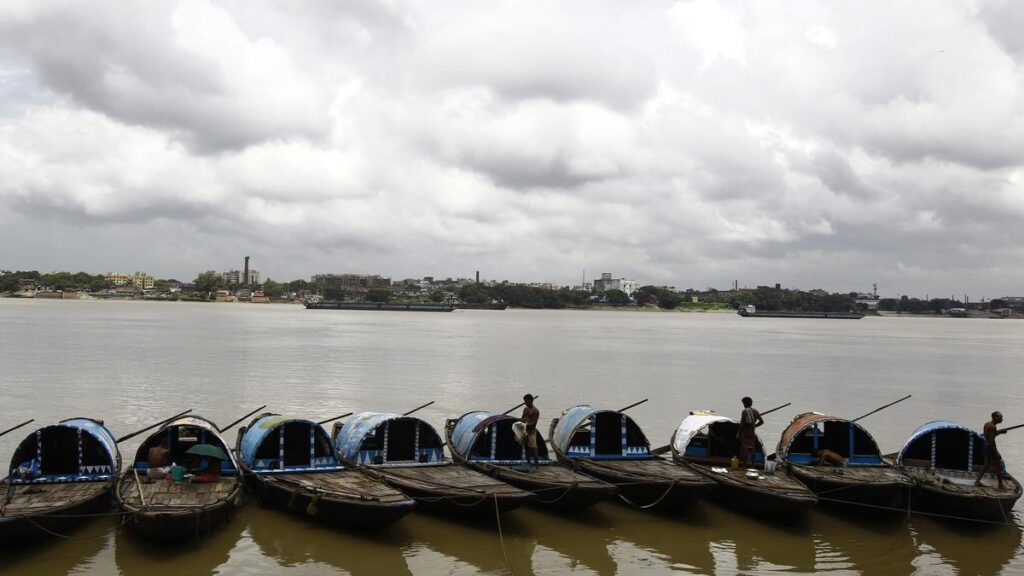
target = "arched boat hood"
x: 488, y: 437
x: 73, y: 450
x: 807, y: 432
x: 950, y: 452
x: 383, y: 438
x: 693, y: 425
x: 268, y: 444
x: 208, y: 433
x: 587, y: 431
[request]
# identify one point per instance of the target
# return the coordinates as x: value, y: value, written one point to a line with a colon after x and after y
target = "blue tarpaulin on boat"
x: 358, y: 441
x: 34, y: 454
x: 468, y: 429
x: 576, y: 434
x: 262, y: 429
x: 944, y: 444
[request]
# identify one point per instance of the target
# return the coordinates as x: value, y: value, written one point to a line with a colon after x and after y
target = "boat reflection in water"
x: 298, y: 543
x: 968, y: 547
x: 136, y: 554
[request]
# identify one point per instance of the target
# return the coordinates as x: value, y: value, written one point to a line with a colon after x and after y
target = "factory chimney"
x: 245, y: 272
x: 478, y: 277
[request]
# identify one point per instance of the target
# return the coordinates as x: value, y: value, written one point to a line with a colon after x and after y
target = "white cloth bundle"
x: 519, y: 429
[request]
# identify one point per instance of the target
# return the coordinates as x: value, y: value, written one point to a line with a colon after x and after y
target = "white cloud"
x: 686, y: 143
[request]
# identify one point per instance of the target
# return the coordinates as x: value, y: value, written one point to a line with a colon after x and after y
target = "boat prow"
x: 865, y: 481
x: 166, y: 511
x: 290, y: 463
x: 608, y: 445
x: 708, y: 442
x: 485, y: 441
x: 408, y: 454
x: 944, y: 458
x: 59, y: 474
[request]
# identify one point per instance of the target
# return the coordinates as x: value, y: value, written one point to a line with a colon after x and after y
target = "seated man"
x: 159, y: 461
x: 826, y: 456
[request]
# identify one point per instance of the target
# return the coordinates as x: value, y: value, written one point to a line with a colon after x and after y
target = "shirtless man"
x: 826, y: 456
x: 749, y: 420
x: 159, y: 460
x: 530, y: 417
x: 992, y: 456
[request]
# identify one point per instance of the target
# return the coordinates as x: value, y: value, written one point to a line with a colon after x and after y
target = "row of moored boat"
x: 374, y: 468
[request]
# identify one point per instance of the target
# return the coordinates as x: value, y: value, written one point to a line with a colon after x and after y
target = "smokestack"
x: 477, y: 276
x: 245, y: 273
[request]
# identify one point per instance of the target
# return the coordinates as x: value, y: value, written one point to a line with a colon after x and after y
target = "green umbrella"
x: 207, y: 450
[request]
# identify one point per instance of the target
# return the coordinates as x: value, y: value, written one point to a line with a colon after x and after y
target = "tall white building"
x: 606, y: 282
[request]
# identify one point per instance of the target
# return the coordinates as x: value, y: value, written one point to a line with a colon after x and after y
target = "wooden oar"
x: 232, y: 425
x: 151, y: 426
x: 12, y: 429
x: 1011, y: 428
x: 418, y: 408
x: 882, y: 408
x: 345, y: 415
x: 516, y: 406
x: 663, y: 449
x: 632, y: 405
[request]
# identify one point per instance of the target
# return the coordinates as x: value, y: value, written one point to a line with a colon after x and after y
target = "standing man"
x: 992, y: 457
x: 530, y: 417
x: 749, y: 420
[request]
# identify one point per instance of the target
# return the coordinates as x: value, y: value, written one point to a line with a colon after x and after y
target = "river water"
x: 132, y: 363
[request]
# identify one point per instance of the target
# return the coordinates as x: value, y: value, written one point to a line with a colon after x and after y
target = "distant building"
x: 139, y: 280
x: 351, y: 281
x: 238, y: 277
x: 606, y: 282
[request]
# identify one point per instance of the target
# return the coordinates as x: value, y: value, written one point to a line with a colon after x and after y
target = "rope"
x: 652, y: 504
x: 501, y: 537
x: 64, y: 536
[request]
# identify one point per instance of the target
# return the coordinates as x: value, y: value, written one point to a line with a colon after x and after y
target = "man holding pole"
x: 749, y: 420
x: 530, y: 417
x: 992, y: 456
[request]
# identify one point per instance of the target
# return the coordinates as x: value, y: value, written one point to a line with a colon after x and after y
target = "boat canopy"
x: 706, y: 435
x: 944, y: 445
x: 74, y: 450
x: 383, y: 439
x: 273, y: 442
x: 182, y: 434
x: 813, y: 431
x: 599, y: 433
x: 488, y: 437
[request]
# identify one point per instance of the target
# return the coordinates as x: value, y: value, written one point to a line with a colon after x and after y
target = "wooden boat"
x: 290, y: 463
x: 166, y: 511
x: 486, y: 442
x: 608, y: 445
x: 408, y: 454
x: 58, y: 473
x: 865, y: 481
x: 707, y: 442
x: 944, y: 459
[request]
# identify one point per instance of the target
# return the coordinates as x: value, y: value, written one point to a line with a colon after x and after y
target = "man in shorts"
x: 992, y: 456
x: 530, y: 417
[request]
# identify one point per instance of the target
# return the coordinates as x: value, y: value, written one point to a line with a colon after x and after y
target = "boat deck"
x: 955, y: 481
x: 657, y: 469
x: 552, y: 474
x: 853, y: 474
x: 165, y: 493
x: 38, y: 498
x: 452, y: 480
x: 777, y: 482
x: 338, y: 484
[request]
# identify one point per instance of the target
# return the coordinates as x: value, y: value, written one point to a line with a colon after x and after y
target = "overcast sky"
x: 694, y: 143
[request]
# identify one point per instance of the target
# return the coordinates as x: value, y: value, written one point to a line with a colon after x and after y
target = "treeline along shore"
x: 210, y: 286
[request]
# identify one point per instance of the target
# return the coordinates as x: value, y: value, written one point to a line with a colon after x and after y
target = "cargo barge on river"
x: 749, y: 311
x: 385, y: 306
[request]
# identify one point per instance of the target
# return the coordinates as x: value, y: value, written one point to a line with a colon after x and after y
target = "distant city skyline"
x: 686, y: 143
